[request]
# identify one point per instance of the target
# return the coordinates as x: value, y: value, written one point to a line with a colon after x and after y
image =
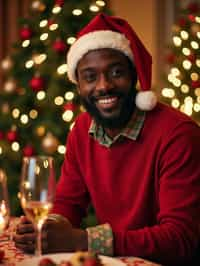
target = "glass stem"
x: 38, y: 250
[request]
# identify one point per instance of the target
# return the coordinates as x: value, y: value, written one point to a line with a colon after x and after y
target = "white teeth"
x: 108, y: 100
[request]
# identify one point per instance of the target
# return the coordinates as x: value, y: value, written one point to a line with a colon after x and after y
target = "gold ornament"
x: 50, y: 143
x: 6, y: 64
x: 5, y: 108
x: 10, y: 86
x: 38, y: 6
x: 40, y: 131
x: 195, y: 28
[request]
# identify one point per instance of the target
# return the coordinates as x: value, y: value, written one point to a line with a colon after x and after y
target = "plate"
x: 57, y: 257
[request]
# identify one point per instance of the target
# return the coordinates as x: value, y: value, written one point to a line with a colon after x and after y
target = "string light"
x: 177, y: 41
x: 94, y: 8
x: 168, y: 92
x: 197, y: 107
x: 53, y: 26
x: 44, y: 36
x: 39, y: 59
x: 69, y: 95
x: 59, y: 100
x: 29, y: 64
x: 24, y: 119
x: 61, y: 149
x: 33, y: 114
x: 197, y: 92
x: 175, y: 71
x: 194, y: 45
x: 43, y: 23
x: 41, y: 95
x: 185, y: 88
x: 26, y: 43
x: 71, y: 40
x: 67, y: 115
x: 198, y: 62
x: 175, y: 103
x: 15, y: 113
x: 184, y: 35
x: 194, y: 76
x: 56, y: 9
x: 1, y: 150
x: 186, y: 51
x: 62, y: 69
x: 100, y: 3
x: 77, y: 12
x: 15, y: 146
x: 197, y: 19
x: 187, y: 64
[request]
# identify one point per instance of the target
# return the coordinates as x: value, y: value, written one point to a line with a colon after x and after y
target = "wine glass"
x: 4, y: 202
x: 37, y: 191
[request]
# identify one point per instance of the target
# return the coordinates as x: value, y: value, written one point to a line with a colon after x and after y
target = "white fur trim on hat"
x: 92, y: 41
x: 146, y: 100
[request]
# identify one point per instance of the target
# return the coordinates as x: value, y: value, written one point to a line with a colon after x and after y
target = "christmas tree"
x: 38, y: 104
x: 182, y: 89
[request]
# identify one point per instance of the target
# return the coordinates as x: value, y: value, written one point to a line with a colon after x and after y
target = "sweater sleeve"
x: 72, y: 198
x: 175, y: 236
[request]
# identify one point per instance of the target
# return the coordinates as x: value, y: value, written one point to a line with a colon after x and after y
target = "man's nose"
x: 103, y: 83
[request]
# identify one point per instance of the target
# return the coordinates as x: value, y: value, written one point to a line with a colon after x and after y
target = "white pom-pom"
x: 146, y: 100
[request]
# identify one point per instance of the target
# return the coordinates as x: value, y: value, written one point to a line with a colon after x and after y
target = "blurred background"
x: 38, y: 104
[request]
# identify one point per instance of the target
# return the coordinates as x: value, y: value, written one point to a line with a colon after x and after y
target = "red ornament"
x: 193, y: 7
x: 182, y: 22
x: 28, y: 150
x: 192, y: 58
x: 25, y: 33
x: 37, y: 83
x: 170, y: 58
x: 50, y: 22
x: 191, y: 18
x: 59, y: 46
x: 1, y: 135
x: 195, y: 84
x: 11, y: 135
x: 70, y: 106
x: 59, y: 3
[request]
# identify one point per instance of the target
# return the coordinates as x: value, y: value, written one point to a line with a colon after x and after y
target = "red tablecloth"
x: 14, y: 255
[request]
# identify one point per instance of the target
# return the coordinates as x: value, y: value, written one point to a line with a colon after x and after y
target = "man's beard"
x: 117, y: 121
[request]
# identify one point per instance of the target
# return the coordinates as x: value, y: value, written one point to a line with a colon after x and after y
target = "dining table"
x: 13, y: 255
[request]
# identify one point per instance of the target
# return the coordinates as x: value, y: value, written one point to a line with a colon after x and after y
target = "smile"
x: 107, y: 100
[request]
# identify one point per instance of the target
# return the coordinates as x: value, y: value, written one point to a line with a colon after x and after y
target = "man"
x: 136, y: 160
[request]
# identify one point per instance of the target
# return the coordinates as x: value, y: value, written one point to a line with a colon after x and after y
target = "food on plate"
x: 79, y: 258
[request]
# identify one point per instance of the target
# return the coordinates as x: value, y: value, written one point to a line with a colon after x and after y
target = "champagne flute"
x: 37, y: 191
x: 4, y: 202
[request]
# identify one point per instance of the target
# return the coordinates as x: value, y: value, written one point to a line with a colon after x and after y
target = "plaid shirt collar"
x: 131, y: 131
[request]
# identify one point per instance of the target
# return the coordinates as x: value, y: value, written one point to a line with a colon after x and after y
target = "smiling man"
x: 136, y: 160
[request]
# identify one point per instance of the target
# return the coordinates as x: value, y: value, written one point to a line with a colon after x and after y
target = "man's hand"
x: 58, y: 235
x: 25, y: 236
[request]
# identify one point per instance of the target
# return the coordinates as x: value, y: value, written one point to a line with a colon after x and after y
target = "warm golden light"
x: 33, y: 114
x: 71, y: 40
x: 26, y: 43
x: 41, y: 95
x: 59, y: 100
x: 53, y: 27
x: 29, y: 64
x: 44, y: 36
x: 15, y: 146
x: 77, y: 12
x: 175, y: 103
x: 168, y: 92
x: 62, y: 69
x: 186, y: 51
x: 187, y: 64
x: 43, y: 23
x: 100, y: 3
x: 61, y: 149
x: 194, y: 76
x: 15, y: 113
x: 184, y: 35
x: 69, y: 95
x: 177, y: 41
x: 56, y: 9
x: 195, y: 45
x: 185, y: 88
x: 94, y: 8
x: 67, y: 115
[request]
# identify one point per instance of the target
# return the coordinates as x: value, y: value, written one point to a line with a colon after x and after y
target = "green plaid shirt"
x: 131, y: 131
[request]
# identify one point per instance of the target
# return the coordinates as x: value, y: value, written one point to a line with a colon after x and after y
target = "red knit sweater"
x: 148, y: 190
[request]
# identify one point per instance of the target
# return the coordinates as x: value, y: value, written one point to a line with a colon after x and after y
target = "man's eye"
x: 89, y: 77
x: 117, y: 72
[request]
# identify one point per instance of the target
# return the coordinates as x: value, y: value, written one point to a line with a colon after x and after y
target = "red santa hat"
x: 105, y: 31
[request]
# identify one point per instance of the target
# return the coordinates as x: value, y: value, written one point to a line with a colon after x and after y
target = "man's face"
x: 106, y: 86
